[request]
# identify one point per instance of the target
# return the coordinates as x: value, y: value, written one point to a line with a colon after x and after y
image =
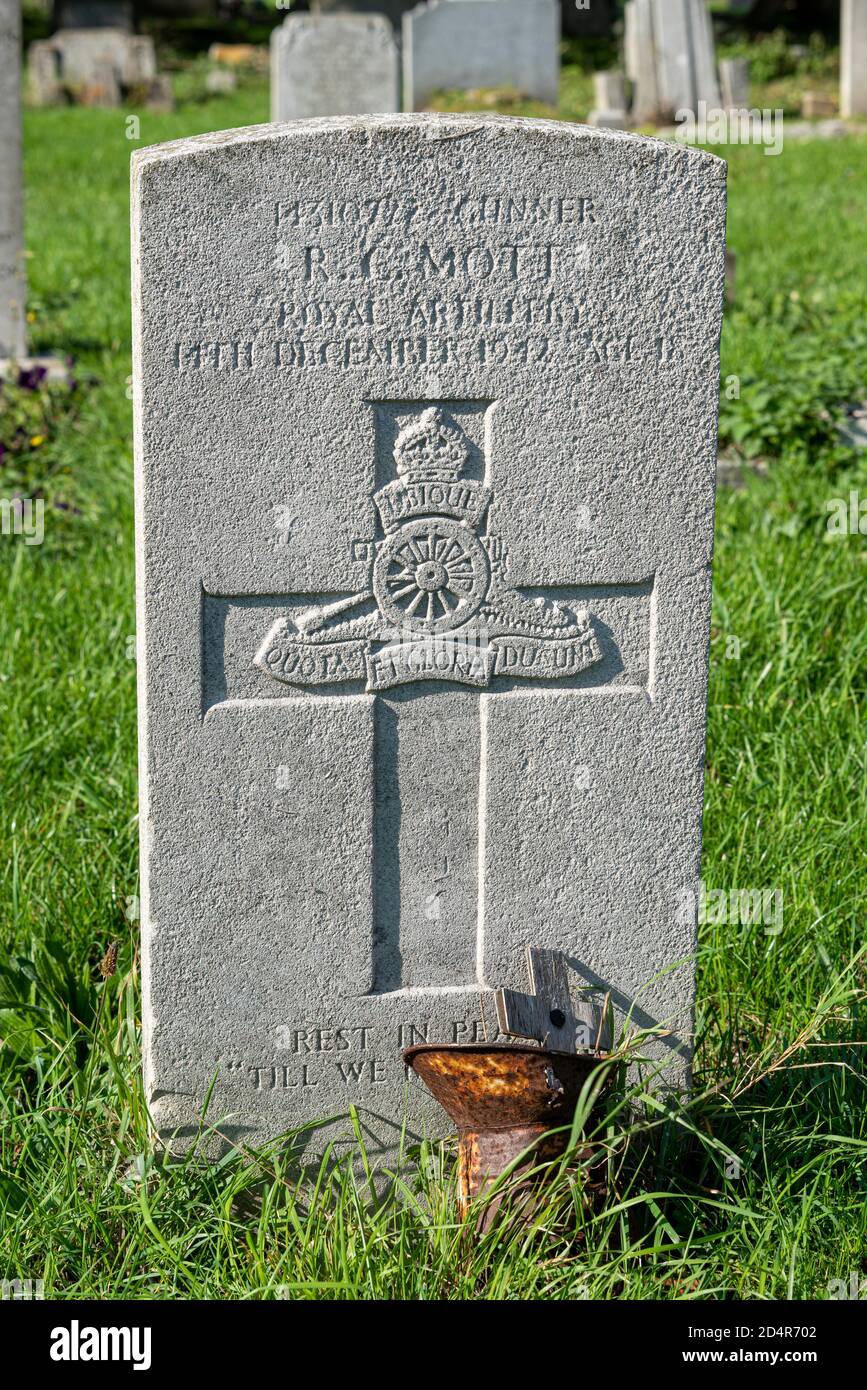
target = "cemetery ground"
x: 758, y: 1187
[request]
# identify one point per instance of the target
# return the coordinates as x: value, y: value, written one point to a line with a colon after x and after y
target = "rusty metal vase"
x: 502, y: 1098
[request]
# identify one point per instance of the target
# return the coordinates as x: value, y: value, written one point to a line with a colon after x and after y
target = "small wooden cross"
x: 547, y: 1014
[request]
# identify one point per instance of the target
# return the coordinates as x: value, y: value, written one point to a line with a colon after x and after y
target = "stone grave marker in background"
x: 853, y: 58
x: 333, y: 65
x: 425, y: 422
x: 686, y: 63
x: 465, y: 44
x: 734, y: 76
x: 641, y: 64
x: 13, y: 280
x: 95, y: 67
x: 610, y: 101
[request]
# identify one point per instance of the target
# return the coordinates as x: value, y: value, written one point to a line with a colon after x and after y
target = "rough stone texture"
x: 465, y: 44
x: 92, y: 66
x: 640, y: 54
x: 378, y: 360
x: 686, y: 65
x: 853, y: 58
x: 13, y: 285
x: 333, y: 65
x: 734, y: 75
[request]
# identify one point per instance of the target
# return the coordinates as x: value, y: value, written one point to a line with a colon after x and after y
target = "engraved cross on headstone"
x: 435, y: 637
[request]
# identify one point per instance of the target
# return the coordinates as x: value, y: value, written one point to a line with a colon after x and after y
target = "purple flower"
x: 30, y: 378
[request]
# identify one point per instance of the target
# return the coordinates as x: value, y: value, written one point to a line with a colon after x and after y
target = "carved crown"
x: 431, y: 449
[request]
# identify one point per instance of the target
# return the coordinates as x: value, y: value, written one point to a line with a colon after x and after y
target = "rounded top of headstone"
x: 448, y: 128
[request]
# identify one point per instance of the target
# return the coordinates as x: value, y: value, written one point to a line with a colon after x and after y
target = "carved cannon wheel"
x: 431, y: 575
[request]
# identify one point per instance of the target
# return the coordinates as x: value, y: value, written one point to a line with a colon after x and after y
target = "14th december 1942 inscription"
x: 479, y: 300
x: 459, y: 706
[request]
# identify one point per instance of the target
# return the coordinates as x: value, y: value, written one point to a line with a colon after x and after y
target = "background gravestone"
x: 425, y: 421
x: 481, y: 43
x: 13, y: 286
x: 610, y: 104
x: 853, y: 58
x: 686, y: 63
x: 641, y: 61
x: 96, y: 67
x: 333, y: 65
x: 734, y: 74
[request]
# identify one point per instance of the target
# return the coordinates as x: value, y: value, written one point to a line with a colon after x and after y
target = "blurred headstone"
x: 853, y: 58
x: 686, y: 61
x: 641, y: 65
x: 13, y: 272
x: 221, y: 82
x: 467, y: 44
x: 13, y: 280
x: 96, y: 67
x: 817, y: 106
x: 333, y: 65
x: 734, y: 76
x: 610, y: 103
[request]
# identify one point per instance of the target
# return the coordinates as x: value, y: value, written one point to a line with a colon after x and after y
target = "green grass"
x: 85, y: 1204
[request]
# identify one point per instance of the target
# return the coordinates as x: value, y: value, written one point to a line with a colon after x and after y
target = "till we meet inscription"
x: 425, y: 441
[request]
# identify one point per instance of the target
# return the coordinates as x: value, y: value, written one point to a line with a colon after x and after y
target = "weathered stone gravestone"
x: 610, y: 103
x: 333, y: 65
x: 425, y: 447
x: 13, y: 286
x: 467, y: 44
x: 96, y: 67
x: 392, y: 9
x: 670, y: 57
x: 734, y: 74
x: 640, y: 59
x: 853, y: 58
x: 686, y: 62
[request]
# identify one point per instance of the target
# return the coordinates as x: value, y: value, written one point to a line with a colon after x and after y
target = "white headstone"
x: 13, y: 284
x: 640, y: 52
x: 333, y: 65
x: 853, y: 58
x: 467, y: 44
x: 610, y: 102
x: 734, y: 75
x: 686, y: 64
x: 95, y: 66
x: 424, y: 527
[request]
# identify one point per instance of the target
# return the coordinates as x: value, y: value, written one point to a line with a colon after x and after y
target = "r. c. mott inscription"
x: 438, y: 607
